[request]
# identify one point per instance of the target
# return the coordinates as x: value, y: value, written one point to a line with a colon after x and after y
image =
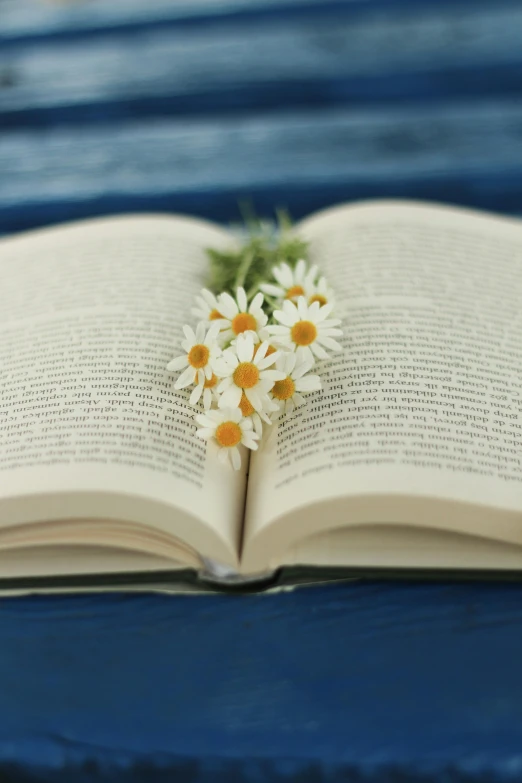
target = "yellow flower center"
x: 318, y: 298
x: 198, y: 356
x: 294, y: 292
x: 243, y: 322
x: 283, y: 390
x: 303, y: 332
x: 214, y: 315
x: 247, y: 409
x: 210, y: 382
x: 228, y: 434
x: 246, y: 375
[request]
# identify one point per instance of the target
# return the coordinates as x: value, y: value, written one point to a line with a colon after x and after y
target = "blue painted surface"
x: 22, y: 20
x: 396, y: 53
x: 421, y: 679
x: 298, y: 103
x: 467, y: 153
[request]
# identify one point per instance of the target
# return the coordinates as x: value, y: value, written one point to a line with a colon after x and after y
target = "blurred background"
x: 194, y: 105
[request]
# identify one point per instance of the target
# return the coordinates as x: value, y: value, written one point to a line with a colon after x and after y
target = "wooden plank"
x: 26, y: 19
x: 364, y: 682
x: 313, y: 62
x: 32, y: 20
x: 468, y: 153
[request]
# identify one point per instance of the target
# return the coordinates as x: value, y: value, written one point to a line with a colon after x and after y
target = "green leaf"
x: 265, y: 247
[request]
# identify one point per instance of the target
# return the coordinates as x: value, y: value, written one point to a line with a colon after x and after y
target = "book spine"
x: 219, y: 575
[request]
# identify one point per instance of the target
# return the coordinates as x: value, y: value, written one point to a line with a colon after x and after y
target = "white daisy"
x: 207, y: 306
x: 201, y: 350
x: 305, y: 329
x: 206, y: 390
x: 293, y: 283
x: 248, y: 410
x: 256, y: 338
x: 242, y: 372
x: 240, y: 317
x: 296, y: 380
x: 320, y: 292
x: 228, y: 430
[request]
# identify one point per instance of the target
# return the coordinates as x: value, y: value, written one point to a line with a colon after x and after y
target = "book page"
x: 425, y: 402
x: 90, y: 424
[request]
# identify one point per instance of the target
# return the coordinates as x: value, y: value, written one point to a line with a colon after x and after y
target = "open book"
x: 409, y: 458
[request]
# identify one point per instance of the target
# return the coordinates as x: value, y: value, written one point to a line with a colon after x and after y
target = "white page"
x: 90, y: 315
x: 424, y: 403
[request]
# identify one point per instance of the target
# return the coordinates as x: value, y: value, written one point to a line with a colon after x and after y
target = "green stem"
x: 243, y: 268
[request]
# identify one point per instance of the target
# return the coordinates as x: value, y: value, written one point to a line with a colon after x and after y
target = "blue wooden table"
x: 191, y: 106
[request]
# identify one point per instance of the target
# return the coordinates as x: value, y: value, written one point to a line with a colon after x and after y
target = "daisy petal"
x: 283, y: 275
x: 324, y: 312
x: 313, y: 311
x: 310, y: 383
x: 245, y: 348
x: 196, y: 394
x: 242, y: 300
x: 189, y: 334
x: 269, y: 360
x: 302, y: 369
x: 209, y: 297
x: 284, y: 318
x: 215, y: 416
x: 287, y: 363
x: 200, y: 332
x: 273, y: 375
x: 254, y: 399
x: 330, y: 343
x: 290, y: 308
x: 261, y: 353
x: 177, y: 364
x: 235, y: 457
x: 185, y: 379
x: 318, y: 351
x: 226, y: 335
x: 302, y: 308
x: 231, y: 397
x: 213, y: 331
x: 203, y: 420
x: 329, y: 332
x: 300, y: 270
x: 331, y: 322
x: 205, y: 434
x: 222, y: 368
x: 277, y: 329
x: 304, y: 354
x: 227, y: 305
x: 272, y: 290
x: 223, y: 456
x: 257, y: 302
x: 225, y: 384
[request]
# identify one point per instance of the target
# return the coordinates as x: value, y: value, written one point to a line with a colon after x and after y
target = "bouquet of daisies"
x: 250, y: 358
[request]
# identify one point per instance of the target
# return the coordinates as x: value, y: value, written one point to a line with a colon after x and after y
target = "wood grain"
x: 394, y: 54
x: 364, y: 682
x: 23, y: 19
x: 467, y: 153
x: 189, y: 106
